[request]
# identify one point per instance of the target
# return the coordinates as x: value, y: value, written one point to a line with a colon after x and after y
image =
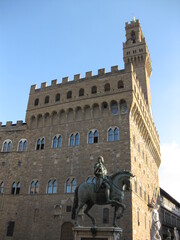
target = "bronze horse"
x: 85, y: 194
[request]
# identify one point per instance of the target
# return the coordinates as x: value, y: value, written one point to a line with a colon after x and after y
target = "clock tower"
x: 135, y: 51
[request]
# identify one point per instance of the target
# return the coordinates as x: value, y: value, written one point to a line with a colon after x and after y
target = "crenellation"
x: 19, y: 123
x: 33, y: 88
x: 77, y: 77
x: 43, y: 85
x: 101, y: 71
x: 8, y: 123
x: 54, y: 82
x: 114, y: 68
x: 65, y: 80
x: 88, y: 74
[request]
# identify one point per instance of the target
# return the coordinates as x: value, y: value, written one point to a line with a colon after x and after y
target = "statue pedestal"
x: 98, y: 233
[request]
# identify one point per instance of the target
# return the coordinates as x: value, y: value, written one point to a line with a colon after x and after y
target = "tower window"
x: 69, y: 94
x: 57, y: 99
x: 133, y: 36
x: 107, y: 87
x: 36, y: 102
x: 114, y: 107
x: 81, y: 92
x: 46, y: 100
x: 93, y: 137
x: 94, y: 89
x: 120, y: 84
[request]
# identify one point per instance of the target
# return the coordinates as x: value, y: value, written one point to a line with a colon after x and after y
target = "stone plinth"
x: 99, y: 233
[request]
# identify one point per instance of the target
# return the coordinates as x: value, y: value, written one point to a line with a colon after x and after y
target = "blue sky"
x: 42, y: 40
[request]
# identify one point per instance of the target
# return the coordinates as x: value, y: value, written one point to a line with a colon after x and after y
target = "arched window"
x: 110, y: 135
x: 72, y: 140
x: 69, y: 94
x: 59, y: 142
x: 32, y: 187
x: 107, y: 87
x: 42, y: 143
x: 123, y: 106
x: 113, y: 134
x: 88, y: 180
x: 36, y: 102
x: 93, y: 136
x: 77, y: 139
x: 46, y: 99
x: 54, y: 187
x: 13, y: 190
x: 120, y: 84
x: 73, y: 185
x: 49, y: 188
x: 18, y: 188
x: 133, y: 36
x: 81, y: 92
x: 94, y: 180
x: 38, y: 144
x: 105, y: 215
x: 22, y: 146
x: 2, y: 187
x: 55, y: 142
x: 57, y: 99
x: 116, y: 134
x: 68, y: 186
x: 25, y: 145
x: 114, y: 107
x: 36, y: 187
x: 94, y: 89
x: 7, y: 146
x: 90, y: 137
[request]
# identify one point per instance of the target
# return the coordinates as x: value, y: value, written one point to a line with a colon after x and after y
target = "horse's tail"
x: 75, y: 203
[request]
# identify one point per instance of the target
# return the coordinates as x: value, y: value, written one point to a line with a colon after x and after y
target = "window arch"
x: 91, y: 180
x: 15, y: 188
x: 34, y: 187
x: 93, y: 136
x: 22, y: 145
x: 40, y: 144
x: 69, y: 94
x: 36, y: 102
x: 114, y: 107
x: 57, y: 141
x: 74, y: 139
x: 123, y: 106
x: 94, y: 89
x: 57, y: 98
x: 113, y: 134
x: 71, y: 185
x: 107, y: 87
x: 2, y: 187
x: 120, y: 84
x: 81, y: 92
x: 46, y: 99
x: 52, y: 186
x: 7, y: 146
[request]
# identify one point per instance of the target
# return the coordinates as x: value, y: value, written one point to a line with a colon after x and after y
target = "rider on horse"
x: 100, y: 172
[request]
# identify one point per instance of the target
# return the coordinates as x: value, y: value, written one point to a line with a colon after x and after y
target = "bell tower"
x: 135, y: 51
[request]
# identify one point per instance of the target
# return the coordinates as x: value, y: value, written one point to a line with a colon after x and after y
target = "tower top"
x: 135, y: 51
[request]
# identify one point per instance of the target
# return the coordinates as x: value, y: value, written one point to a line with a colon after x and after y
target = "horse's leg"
x: 76, y: 214
x: 115, y: 216
x: 86, y: 211
x: 123, y: 206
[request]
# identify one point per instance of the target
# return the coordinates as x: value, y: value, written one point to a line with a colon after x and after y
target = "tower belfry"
x: 135, y: 51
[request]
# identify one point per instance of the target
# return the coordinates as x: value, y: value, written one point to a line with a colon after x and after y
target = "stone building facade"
x: 68, y: 125
x: 169, y: 216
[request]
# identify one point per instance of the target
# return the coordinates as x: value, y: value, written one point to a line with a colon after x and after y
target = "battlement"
x: 12, y: 126
x: 77, y: 77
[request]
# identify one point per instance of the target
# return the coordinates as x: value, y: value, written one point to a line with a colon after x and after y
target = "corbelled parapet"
x: 77, y: 77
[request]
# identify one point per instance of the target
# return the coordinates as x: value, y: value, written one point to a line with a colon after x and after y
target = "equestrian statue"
x: 105, y: 190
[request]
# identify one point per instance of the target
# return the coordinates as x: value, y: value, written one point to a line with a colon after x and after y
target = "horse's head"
x: 123, y: 179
